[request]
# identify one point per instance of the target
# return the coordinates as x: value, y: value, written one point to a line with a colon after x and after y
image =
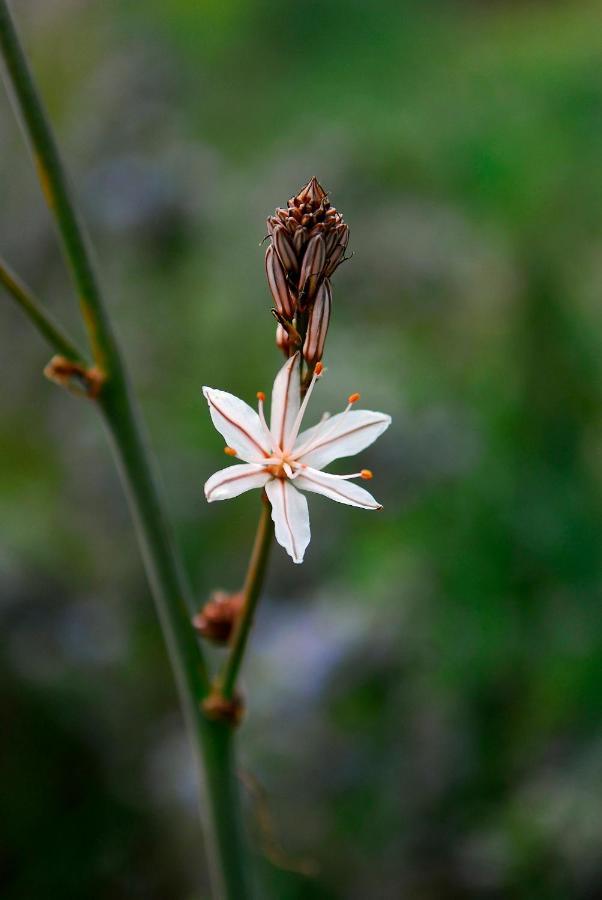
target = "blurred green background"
x: 424, y: 692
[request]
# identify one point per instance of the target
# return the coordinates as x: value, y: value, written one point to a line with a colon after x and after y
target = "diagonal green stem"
x: 54, y: 182
x: 42, y: 320
x: 252, y: 588
x: 212, y: 741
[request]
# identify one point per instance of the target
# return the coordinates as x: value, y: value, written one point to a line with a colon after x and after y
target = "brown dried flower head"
x: 309, y: 239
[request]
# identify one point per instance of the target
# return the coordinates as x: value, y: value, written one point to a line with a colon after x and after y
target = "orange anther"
x: 319, y: 369
x: 353, y: 398
x: 261, y: 396
x: 366, y: 474
x: 229, y: 451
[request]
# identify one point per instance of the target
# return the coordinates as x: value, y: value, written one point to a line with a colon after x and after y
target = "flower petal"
x: 342, y: 435
x: 235, y: 480
x: 286, y: 400
x: 336, y: 488
x: 291, y: 517
x: 238, y: 424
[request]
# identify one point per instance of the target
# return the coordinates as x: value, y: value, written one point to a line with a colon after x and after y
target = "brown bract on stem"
x: 75, y: 377
x: 217, y: 618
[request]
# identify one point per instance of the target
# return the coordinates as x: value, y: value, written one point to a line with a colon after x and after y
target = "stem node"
x: 220, y: 709
x: 74, y: 377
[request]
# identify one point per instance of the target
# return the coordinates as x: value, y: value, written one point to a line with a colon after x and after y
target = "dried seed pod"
x: 317, y: 327
x: 284, y: 249
x: 277, y: 281
x: 312, y: 268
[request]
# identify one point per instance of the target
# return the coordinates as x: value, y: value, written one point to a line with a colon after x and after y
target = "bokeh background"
x: 424, y: 692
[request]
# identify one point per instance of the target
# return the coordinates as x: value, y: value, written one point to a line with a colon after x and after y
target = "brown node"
x: 219, y: 709
x: 75, y: 377
x: 217, y: 618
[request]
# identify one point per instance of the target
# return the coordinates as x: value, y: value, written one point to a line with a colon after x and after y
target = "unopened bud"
x: 284, y: 249
x: 312, y: 193
x: 337, y: 253
x: 300, y: 240
x: 278, y: 284
x: 312, y: 268
x: 317, y: 327
x: 282, y: 340
x: 309, y: 238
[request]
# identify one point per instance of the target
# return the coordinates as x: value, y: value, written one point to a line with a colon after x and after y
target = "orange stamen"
x: 261, y: 396
x: 229, y: 451
x: 366, y: 474
x: 353, y: 398
x: 319, y: 369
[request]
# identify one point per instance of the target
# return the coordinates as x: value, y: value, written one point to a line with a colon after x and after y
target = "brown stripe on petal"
x: 230, y: 480
x: 337, y: 437
x: 236, y: 424
x: 289, y: 377
x: 286, y: 518
x: 333, y: 490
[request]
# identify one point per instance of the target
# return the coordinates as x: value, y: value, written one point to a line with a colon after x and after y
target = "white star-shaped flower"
x: 284, y: 461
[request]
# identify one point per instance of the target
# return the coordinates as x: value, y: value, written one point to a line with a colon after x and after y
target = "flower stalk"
x: 308, y: 242
x: 212, y: 741
x: 226, y: 684
x: 41, y: 319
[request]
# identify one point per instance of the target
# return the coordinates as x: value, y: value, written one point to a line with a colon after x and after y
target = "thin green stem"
x: 212, y: 741
x: 252, y: 588
x: 42, y: 320
x: 55, y: 187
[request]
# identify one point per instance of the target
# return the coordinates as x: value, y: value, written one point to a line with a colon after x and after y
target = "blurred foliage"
x: 424, y: 692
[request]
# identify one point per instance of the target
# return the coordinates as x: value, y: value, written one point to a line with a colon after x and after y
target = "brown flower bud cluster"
x: 308, y: 242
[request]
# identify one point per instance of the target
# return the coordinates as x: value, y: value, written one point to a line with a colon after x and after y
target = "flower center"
x: 281, y: 465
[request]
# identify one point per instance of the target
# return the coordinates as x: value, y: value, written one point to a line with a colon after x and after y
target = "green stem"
x: 55, y: 187
x: 251, y: 591
x: 42, y: 320
x: 212, y: 741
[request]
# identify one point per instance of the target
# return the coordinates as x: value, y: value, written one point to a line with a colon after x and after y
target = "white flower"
x: 286, y: 462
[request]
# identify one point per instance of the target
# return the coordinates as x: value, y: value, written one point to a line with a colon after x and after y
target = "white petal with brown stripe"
x: 284, y: 461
